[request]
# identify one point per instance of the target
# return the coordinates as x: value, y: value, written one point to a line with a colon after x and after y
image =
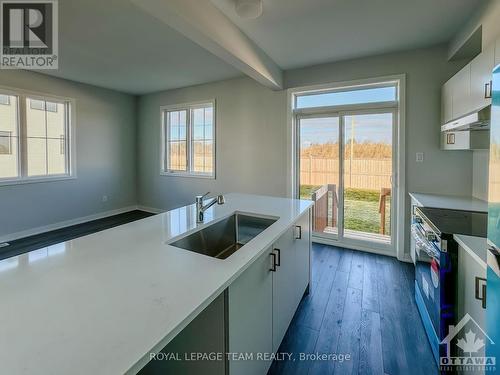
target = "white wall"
x: 251, y: 130
x: 106, y: 158
x: 250, y: 143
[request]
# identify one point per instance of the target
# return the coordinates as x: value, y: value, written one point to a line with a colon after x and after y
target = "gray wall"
x: 480, y: 164
x: 251, y: 129
x: 106, y: 158
x: 250, y: 146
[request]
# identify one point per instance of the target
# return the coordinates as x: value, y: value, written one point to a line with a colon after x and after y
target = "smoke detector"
x: 249, y: 9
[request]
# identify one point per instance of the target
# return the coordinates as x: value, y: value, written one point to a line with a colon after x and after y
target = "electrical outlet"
x: 419, y: 157
x: 104, y: 198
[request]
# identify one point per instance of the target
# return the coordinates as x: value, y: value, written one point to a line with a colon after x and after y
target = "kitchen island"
x: 103, y: 303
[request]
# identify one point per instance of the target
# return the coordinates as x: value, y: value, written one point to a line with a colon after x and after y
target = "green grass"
x: 361, y: 209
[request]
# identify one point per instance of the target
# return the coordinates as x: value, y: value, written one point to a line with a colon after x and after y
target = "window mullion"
x: 189, y: 151
x: 23, y: 137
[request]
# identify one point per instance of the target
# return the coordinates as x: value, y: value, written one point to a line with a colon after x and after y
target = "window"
x: 5, y: 99
x: 35, y: 145
x: 5, y: 143
x: 346, y: 96
x: 42, y: 105
x: 188, y: 138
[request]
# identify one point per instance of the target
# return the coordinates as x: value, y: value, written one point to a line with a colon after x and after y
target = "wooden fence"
x: 358, y: 173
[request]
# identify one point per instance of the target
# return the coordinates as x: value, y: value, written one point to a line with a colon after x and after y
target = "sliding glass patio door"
x: 319, y: 145
x: 345, y: 164
x: 368, y: 174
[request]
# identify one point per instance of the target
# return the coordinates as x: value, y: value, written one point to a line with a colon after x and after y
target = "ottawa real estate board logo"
x: 469, y: 341
x: 29, y: 34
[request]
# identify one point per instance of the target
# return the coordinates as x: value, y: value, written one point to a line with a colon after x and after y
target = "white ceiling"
x: 114, y: 44
x: 297, y: 33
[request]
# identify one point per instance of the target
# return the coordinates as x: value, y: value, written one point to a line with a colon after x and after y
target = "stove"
x: 436, y: 267
x: 451, y: 222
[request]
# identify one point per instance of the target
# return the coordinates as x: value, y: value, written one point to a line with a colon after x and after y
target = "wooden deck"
x: 362, y: 304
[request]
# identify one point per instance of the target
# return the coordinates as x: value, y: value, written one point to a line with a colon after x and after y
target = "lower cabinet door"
x: 250, y: 317
x: 302, y: 245
x: 284, y: 286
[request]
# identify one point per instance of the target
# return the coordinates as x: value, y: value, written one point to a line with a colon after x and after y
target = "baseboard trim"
x: 67, y: 223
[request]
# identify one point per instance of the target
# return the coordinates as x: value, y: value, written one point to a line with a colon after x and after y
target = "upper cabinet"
x: 470, y: 89
x: 481, y: 69
x: 497, y: 52
x: 460, y: 92
x: 446, y: 102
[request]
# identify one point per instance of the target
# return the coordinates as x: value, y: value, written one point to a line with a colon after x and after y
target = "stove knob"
x: 418, y: 220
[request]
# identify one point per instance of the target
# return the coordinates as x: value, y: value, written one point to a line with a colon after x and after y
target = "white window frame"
x: 23, y: 178
x: 399, y: 138
x: 188, y: 107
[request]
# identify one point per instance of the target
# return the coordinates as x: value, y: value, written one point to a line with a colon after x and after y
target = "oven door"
x: 427, y: 276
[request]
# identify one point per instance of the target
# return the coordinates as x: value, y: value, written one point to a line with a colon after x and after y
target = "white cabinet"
x: 470, y: 272
x: 284, y: 288
x: 460, y: 92
x: 471, y: 279
x: 470, y: 89
x: 302, y: 244
x: 264, y: 298
x: 497, y: 52
x: 250, y: 316
x: 480, y: 78
x: 446, y: 102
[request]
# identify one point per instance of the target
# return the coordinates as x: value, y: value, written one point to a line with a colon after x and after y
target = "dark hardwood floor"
x: 359, y: 304
x: 39, y: 241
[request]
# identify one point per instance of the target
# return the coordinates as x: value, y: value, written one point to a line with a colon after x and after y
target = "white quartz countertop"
x: 101, y: 303
x: 451, y: 202
x: 477, y: 247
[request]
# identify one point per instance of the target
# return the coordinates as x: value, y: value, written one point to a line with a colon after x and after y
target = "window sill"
x: 34, y: 180
x: 188, y: 175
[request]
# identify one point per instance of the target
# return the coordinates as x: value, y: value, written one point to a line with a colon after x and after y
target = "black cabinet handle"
x: 488, y: 90
x: 481, y: 296
x: 273, y: 267
x: 300, y: 232
x: 278, y: 263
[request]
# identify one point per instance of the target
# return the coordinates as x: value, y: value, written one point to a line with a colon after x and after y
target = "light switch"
x: 420, y: 157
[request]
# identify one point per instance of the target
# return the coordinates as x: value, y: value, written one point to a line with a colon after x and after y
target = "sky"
x: 373, y: 95
x: 367, y: 128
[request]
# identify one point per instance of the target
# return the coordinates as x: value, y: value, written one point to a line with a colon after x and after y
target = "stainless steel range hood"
x: 477, y: 120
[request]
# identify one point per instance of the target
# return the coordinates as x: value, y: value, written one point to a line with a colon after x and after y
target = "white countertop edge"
x: 138, y: 365
x: 452, y: 202
x: 468, y: 244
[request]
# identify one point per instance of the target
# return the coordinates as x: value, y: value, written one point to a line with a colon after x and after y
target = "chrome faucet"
x: 200, y: 208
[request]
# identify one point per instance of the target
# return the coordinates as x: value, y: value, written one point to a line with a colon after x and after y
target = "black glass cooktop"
x: 469, y: 223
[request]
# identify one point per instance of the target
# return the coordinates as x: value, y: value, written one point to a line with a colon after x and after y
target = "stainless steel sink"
x: 225, y: 237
